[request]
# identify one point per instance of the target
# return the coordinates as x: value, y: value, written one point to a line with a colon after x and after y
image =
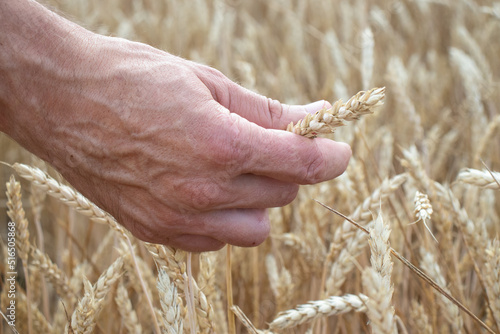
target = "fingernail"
x: 311, y: 108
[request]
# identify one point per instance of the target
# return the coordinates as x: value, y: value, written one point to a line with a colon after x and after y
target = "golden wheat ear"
x: 327, y: 120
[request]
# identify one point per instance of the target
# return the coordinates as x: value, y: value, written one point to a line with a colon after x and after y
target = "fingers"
x: 243, y: 191
x: 258, y: 109
x: 239, y: 227
x: 208, y: 231
x: 301, y: 160
x: 269, y: 113
x: 285, y: 156
x: 196, y: 243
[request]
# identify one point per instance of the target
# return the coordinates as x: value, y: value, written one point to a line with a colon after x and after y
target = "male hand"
x: 175, y: 151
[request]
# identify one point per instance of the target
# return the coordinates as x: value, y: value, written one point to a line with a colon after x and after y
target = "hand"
x: 175, y: 151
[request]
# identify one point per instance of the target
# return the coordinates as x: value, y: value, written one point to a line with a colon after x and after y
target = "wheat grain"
x: 40, y: 323
x: 363, y: 212
x: 327, y: 119
x: 440, y: 60
x: 398, y: 77
x: 486, y: 139
x: 105, y: 281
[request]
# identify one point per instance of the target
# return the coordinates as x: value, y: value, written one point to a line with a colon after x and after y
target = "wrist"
x: 40, y: 51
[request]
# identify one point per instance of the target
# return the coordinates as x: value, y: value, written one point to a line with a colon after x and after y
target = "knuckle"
x: 201, y: 196
x: 275, y: 107
x: 145, y: 232
x: 228, y: 150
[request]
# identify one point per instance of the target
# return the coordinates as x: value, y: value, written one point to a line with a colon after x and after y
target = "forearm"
x: 39, y: 54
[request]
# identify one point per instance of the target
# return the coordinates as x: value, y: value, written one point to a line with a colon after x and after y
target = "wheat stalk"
x: 327, y: 119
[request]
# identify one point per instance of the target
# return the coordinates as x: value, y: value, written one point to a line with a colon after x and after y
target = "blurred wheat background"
x: 424, y: 156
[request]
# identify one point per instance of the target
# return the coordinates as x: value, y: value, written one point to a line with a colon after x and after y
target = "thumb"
x: 269, y: 113
x: 256, y: 108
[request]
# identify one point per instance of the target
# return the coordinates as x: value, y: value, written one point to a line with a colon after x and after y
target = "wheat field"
x: 421, y: 181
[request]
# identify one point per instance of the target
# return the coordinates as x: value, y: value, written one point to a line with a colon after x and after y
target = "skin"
x: 177, y: 152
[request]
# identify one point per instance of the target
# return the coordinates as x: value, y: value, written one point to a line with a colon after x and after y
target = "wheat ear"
x: 320, y: 308
x: 18, y: 216
x: 484, y: 179
x: 54, y: 274
x: 40, y: 323
x: 417, y: 271
x: 171, y: 314
x: 68, y: 196
x: 423, y: 210
x: 83, y: 319
x: 377, y: 280
x: 327, y: 119
x: 492, y: 277
x: 74, y: 199
x: 348, y: 243
x: 127, y: 312
x: 419, y: 319
x: 450, y: 310
x: 172, y: 261
x: 380, y: 310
